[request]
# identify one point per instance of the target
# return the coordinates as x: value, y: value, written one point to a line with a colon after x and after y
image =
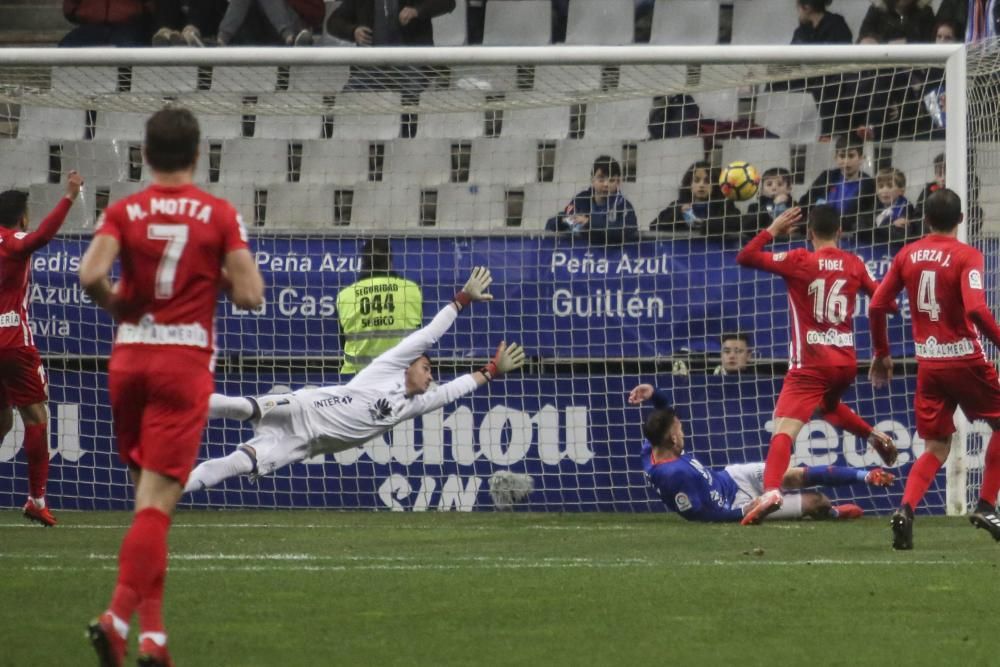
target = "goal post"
x: 473, y: 155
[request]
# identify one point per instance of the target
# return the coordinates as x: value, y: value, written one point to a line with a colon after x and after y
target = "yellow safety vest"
x: 375, y: 314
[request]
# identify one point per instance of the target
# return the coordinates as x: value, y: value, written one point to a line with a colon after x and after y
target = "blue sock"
x: 833, y: 476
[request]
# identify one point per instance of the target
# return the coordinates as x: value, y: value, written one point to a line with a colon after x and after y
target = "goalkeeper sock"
x: 213, y: 471
x: 36, y: 447
x: 779, y: 455
x: 844, y: 418
x: 991, y: 472
x: 921, y: 475
x: 833, y: 476
x: 230, y: 407
x: 141, y: 561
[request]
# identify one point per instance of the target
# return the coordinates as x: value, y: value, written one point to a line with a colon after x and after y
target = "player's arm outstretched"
x: 753, y: 253
x: 644, y: 392
x: 27, y: 243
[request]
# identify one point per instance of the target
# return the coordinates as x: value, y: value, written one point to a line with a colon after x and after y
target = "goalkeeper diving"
x: 395, y: 387
x: 698, y: 493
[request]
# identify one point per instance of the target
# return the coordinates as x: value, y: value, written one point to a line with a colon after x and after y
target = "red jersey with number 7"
x: 944, y: 279
x: 822, y: 289
x: 173, y: 243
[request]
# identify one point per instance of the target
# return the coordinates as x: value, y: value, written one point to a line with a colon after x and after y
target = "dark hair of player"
x: 939, y: 160
x: 376, y: 257
x: 13, y: 206
x: 778, y: 172
x: 172, y: 137
x: 736, y: 336
x: 850, y: 142
x: 824, y: 222
x: 607, y: 165
x: 943, y: 210
x: 658, y: 424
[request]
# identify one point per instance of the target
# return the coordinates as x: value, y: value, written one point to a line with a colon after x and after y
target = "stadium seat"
x: 122, y: 189
x: 664, y: 162
x: 295, y: 206
x: 521, y: 119
x: 625, y: 119
x: 652, y: 79
x: 854, y: 12
x: 160, y: 79
x: 254, y: 161
x: 685, y: 22
x: 339, y: 162
x: 793, y: 116
x: 373, y: 116
x: 718, y: 104
x: 219, y: 116
x: 379, y: 206
x: 417, y: 162
x: 466, y: 120
x: 257, y: 80
x: 484, y: 79
x: 542, y: 201
x: 518, y: 23
x: 559, y: 79
x: 51, y: 123
x: 324, y: 79
x: 303, y: 123
x: 121, y: 125
x: 761, y: 153
x: 465, y: 207
x: 600, y: 22
x: 916, y: 160
x: 987, y: 168
x: 503, y: 161
x: 648, y: 199
x: 764, y: 21
x: 23, y: 162
x: 100, y: 162
x: 43, y: 197
x: 450, y: 29
x: 575, y: 161
x: 85, y: 80
x: 242, y: 196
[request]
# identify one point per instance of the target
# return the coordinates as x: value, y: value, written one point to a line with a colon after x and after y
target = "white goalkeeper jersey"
x: 344, y: 416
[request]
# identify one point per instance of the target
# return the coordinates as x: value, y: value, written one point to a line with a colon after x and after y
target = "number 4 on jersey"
x: 927, y: 295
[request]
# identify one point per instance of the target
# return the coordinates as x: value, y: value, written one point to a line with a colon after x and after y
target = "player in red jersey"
x: 944, y: 279
x: 822, y: 286
x: 177, y: 246
x: 22, y: 377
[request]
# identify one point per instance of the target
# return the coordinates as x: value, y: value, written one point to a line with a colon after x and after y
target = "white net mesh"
x: 463, y: 164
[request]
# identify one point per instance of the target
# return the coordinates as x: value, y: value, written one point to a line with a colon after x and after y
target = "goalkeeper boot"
x: 884, y: 447
x: 109, y: 645
x: 986, y: 518
x: 39, y: 515
x: 847, y: 511
x: 761, y: 506
x: 902, y: 530
x: 879, y: 477
x: 152, y: 654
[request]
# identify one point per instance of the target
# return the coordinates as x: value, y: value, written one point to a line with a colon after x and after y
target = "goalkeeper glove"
x: 475, y: 288
x: 507, y: 358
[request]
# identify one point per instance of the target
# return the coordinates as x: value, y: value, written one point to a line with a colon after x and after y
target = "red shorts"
x: 22, y: 377
x: 806, y: 389
x: 940, y: 389
x: 159, y: 401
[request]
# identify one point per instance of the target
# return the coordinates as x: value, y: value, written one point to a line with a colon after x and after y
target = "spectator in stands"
x: 774, y: 196
x: 895, y: 219
x: 601, y: 212
x: 735, y: 356
x: 933, y: 186
x: 956, y: 13
x: 700, y: 206
x: 387, y: 22
x: 177, y: 27
x: 847, y: 189
x: 107, y: 22
x: 818, y: 26
x: 914, y: 17
x: 284, y: 22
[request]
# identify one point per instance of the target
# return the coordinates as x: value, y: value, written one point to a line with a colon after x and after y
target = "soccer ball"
x: 739, y: 180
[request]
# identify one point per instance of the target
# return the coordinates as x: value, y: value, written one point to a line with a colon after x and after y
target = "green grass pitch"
x: 330, y: 588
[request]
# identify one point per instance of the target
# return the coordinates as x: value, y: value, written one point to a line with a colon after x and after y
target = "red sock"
x: 36, y: 447
x: 142, y: 562
x: 151, y: 607
x: 921, y: 475
x: 844, y: 418
x: 991, y: 471
x: 779, y: 456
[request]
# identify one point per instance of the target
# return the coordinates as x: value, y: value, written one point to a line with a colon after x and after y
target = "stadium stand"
x: 599, y: 22
x: 23, y: 162
x: 339, y: 162
x: 763, y: 21
x: 792, y: 116
x: 518, y: 23
x: 685, y: 22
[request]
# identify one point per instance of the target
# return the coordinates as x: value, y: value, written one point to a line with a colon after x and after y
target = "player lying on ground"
x: 395, y: 387
x: 822, y: 286
x: 700, y: 494
x: 22, y: 376
x: 945, y: 280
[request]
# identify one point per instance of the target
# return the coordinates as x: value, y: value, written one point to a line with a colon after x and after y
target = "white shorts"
x: 749, y: 478
x: 280, y: 436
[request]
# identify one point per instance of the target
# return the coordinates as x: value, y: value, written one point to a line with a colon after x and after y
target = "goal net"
x: 464, y: 157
